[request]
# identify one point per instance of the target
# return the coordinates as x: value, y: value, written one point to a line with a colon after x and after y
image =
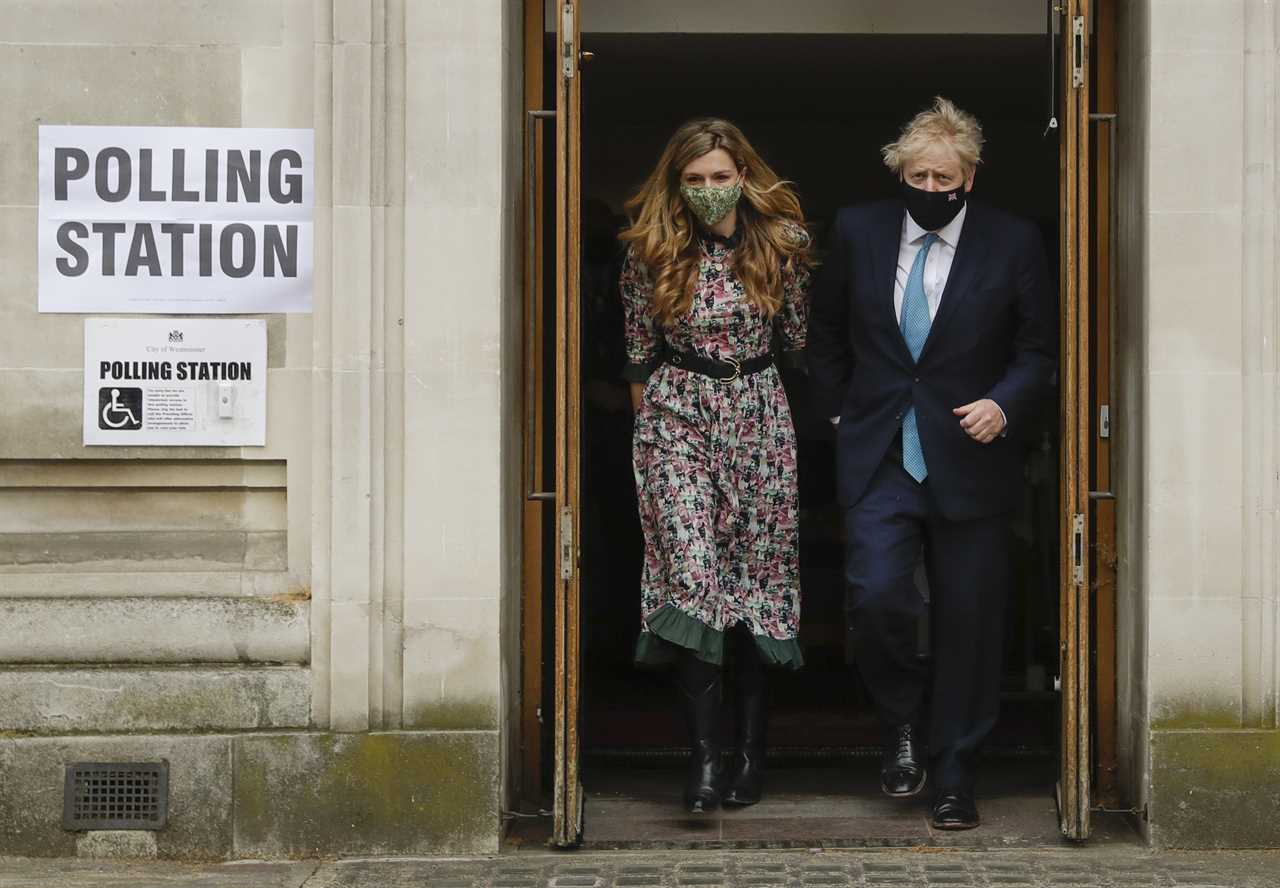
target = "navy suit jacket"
x: 994, y: 336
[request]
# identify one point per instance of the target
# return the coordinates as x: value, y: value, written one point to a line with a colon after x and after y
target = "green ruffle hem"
x: 671, y: 629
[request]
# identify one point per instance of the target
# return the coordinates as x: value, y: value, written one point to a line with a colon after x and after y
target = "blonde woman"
x: 718, y: 262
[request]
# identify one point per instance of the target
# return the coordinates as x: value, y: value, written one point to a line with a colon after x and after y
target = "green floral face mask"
x: 710, y: 203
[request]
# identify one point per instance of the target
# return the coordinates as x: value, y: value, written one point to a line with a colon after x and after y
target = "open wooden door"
x: 568, y: 798
x: 1073, y: 792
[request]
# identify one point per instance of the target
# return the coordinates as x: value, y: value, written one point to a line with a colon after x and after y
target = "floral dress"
x: 715, y: 467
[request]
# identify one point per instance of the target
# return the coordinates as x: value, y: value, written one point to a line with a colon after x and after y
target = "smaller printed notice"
x: 176, y: 382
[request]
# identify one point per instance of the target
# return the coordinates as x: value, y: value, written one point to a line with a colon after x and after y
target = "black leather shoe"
x: 902, y: 770
x: 955, y: 810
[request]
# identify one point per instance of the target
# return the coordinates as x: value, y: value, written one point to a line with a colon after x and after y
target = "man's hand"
x: 983, y: 421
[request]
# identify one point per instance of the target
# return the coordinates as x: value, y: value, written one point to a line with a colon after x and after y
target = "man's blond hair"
x: 945, y: 123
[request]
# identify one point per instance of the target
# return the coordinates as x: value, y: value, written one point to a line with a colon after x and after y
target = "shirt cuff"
x: 834, y: 420
x: 1004, y: 432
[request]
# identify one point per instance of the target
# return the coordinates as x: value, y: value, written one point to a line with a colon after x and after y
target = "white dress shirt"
x: 937, y: 267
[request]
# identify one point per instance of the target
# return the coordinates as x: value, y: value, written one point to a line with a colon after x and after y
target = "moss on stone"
x: 1215, y: 788
x: 1194, y: 714
x: 453, y: 715
x: 301, y: 795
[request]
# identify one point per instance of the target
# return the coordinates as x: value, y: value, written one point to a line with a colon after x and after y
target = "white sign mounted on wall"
x: 175, y: 381
x: 175, y: 220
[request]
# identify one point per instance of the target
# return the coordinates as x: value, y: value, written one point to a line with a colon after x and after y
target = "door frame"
x: 568, y: 798
x: 1075, y: 774
x: 1084, y: 526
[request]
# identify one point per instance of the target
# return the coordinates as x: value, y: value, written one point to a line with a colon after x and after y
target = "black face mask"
x: 932, y: 210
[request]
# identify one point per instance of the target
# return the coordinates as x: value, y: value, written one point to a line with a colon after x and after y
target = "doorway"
x: 820, y: 125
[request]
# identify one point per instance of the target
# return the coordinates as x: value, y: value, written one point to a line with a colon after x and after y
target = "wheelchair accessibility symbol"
x: 120, y: 409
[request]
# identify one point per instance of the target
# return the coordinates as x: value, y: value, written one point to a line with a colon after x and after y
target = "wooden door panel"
x: 568, y: 799
x: 1074, y: 777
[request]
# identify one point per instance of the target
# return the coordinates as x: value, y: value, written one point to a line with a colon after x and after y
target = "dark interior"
x: 817, y: 108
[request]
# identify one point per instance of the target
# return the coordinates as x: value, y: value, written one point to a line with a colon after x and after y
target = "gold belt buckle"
x: 737, y: 369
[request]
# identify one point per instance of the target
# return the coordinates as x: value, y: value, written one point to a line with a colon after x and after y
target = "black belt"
x: 725, y: 371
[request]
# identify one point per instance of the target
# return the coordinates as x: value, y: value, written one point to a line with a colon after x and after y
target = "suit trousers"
x: 887, y: 532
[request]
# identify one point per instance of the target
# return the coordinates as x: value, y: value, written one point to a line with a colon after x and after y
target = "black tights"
x: 748, y: 669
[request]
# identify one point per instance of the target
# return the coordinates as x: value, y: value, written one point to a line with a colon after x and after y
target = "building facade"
x: 322, y: 636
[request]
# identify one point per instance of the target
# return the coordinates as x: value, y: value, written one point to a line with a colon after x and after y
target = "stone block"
x: 451, y: 663
x: 1198, y: 26
x: 200, y: 800
x: 266, y: 551
x: 459, y: 166
x: 306, y: 795
x: 350, y: 665
x: 100, y: 509
x: 139, y: 473
x: 105, y: 85
x: 117, y: 844
x: 1191, y: 255
x: 43, y: 416
x: 28, y: 338
x: 144, y: 22
x: 352, y: 146
x: 153, y: 630
x: 458, y: 553
x: 106, y: 701
x: 1198, y: 99
x: 277, y: 86
x: 353, y: 21
x: 1215, y: 789
x: 1194, y: 679
x: 57, y: 581
x: 108, y: 551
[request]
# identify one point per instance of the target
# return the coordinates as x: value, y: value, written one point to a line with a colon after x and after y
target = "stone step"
x: 154, y: 630
x: 114, y: 699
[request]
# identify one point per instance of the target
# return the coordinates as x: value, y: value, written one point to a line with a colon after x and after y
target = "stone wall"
x: 308, y: 632
x: 1204, y: 541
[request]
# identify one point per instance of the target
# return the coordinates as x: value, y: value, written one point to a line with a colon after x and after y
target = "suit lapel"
x: 888, y: 239
x: 970, y: 252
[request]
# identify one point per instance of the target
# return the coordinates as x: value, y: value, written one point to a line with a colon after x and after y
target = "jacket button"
x: 897, y: 416
x: 917, y: 379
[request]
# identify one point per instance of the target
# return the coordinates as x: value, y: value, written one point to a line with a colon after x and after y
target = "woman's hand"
x: 637, y: 395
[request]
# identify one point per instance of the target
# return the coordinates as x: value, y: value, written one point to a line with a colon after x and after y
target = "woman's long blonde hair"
x: 663, y: 232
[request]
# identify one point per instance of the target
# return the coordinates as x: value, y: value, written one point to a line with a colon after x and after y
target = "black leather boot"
x: 700, y: 690
x: 746, y: 774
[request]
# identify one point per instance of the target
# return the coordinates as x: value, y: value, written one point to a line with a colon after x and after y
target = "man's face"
x: 936, y: 168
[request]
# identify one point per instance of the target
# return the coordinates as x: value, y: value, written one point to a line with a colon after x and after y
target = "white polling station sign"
x: 175, y: 220
x: 175, y: 381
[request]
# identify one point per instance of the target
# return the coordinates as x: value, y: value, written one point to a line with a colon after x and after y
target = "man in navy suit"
x: 932, y: 348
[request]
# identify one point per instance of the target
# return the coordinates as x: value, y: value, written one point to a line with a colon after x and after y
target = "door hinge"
x: 568, y: 56
x: 1077, y: 549
x: 1104, y: 421
x: 566, y: 543
x: 1077, y: 52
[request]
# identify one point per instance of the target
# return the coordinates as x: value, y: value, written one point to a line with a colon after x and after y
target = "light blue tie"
x: 915, y: 325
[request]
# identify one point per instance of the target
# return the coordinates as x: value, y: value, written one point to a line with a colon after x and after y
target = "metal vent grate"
x: 128, y: 795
